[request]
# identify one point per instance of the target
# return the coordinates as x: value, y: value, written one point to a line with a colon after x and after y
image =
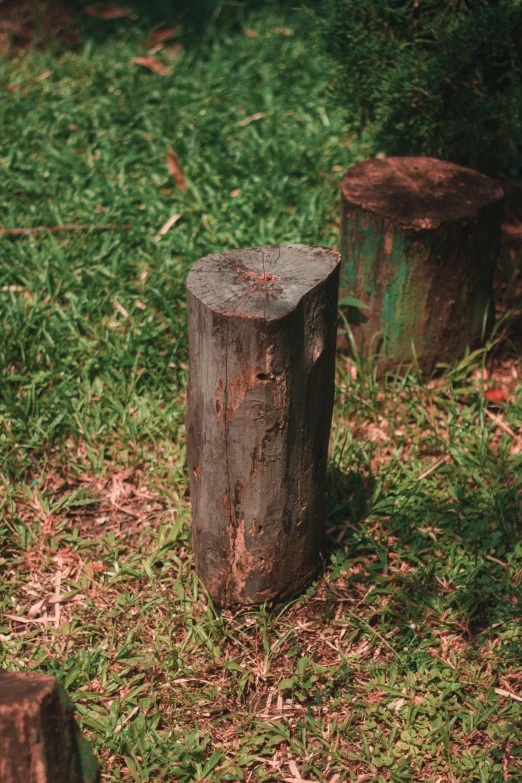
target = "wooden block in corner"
x: 40, y: 741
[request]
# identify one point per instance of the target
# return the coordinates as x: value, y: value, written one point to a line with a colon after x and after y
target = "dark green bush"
x: 433, y: 77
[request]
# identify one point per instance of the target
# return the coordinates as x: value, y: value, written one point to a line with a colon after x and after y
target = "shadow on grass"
x: 63, y: 24
x: 350, y: 496
x: 198, y: 17
x: 440, y: 556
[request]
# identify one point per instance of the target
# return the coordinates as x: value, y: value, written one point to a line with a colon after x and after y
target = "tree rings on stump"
x: 262, y: 333
x: 419, y: 241
x: 39, y: 739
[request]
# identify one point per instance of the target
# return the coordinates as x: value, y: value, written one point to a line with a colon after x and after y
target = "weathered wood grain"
x: 39, y: 739
x: 262, y: 331
x: 419, y: 241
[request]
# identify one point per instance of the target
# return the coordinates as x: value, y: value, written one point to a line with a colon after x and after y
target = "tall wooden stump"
x: 39, y: 739
x: 262, y: 330
x: 419, y: 241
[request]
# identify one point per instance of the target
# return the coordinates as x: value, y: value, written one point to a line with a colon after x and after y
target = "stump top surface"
x: 20, y: 688
x: 419, y: 192
x: 260, y: 282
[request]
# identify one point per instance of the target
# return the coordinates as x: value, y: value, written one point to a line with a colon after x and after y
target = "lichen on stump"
x: 419, y: 243
x: 40, y: 741
x: 262, y: 332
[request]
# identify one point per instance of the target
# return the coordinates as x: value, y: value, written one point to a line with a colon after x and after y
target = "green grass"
x: 395, y: 666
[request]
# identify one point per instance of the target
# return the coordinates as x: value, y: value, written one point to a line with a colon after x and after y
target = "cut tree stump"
x: 39, y: 739
x: 262, y: 333
x: 419, y: 241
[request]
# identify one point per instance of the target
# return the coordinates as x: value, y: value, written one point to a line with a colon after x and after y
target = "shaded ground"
x: 26, y: 23
x: 64, y: 24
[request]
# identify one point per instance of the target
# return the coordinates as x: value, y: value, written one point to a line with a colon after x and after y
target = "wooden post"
x: 262, y: 330
x: 419, y: 241
x: 39, y: 739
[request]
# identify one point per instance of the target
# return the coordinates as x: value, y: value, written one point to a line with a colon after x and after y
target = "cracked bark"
x: 262, y: 331
x: 39, y: 739
x: 419, y: 241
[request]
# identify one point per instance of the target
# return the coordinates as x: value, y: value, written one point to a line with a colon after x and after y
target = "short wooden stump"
x: 262, y: 333
x: 419, y: 241
x: 39, y: 739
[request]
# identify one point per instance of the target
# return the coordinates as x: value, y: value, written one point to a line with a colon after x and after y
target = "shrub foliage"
x: 435, y: 77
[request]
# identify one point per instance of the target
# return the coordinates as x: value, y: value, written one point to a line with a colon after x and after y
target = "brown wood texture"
x: 419, y: 239
x: 39, y: 739
x: 262, y: 330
